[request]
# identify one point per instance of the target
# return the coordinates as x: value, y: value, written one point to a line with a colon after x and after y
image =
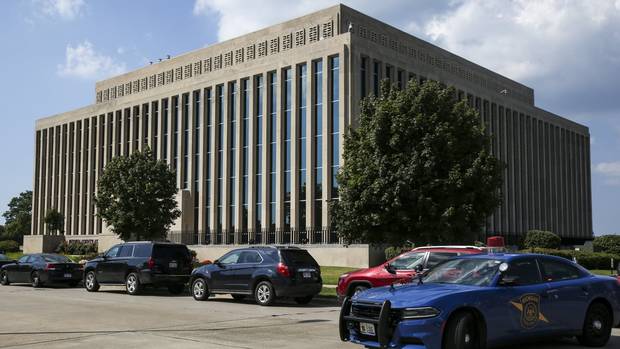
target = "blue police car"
x: 481, y: 301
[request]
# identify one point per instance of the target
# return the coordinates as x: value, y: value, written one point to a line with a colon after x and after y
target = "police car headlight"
x: 419, y: 313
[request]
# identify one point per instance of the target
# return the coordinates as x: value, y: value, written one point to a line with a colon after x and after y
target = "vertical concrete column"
x: 140, y: 125
x: 252, y: 159
x: 344, y: 105
x: 239, y: 163
x: 157, y: 146
x: 326, y: 147
x: 265, y: 165
x: 279, y: 137
x: 52, y: 188
x: 311, y: 151
x: 75, y: 198
x: 98, y: 158
x: 68, y: 175
x: 213, y: 170
x: 153, y: 122
x: 225, y: 164
x: 36, y: 183
x: 89, y: 174
x: 170, y: 142
x: 294, y: 150
x: 198, y: 172
x: 588, y: 180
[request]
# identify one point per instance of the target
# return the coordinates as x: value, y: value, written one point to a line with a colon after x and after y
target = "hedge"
x: 392, y: 252
x: 77, y: 247
x: 607, y: 244
x: 9, y: 246
x: 541, y: 239
x: 588, y: 260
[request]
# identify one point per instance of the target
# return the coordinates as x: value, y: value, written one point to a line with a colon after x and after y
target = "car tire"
x: 132, y: 284
x: 35, y: 279
x: 596, y: 326
x: 90, y: 282
x: 238, y: 297
x: 176, y: 289
x: 264, y: 294
x: 303, y: 300
x: 4, y: 278
x: 200, y: 289
x: 358, y: 289
x: 462, y: 332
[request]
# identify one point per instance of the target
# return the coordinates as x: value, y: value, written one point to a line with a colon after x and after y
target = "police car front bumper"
x: 390, y: 330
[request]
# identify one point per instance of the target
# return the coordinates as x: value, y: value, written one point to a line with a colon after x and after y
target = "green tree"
x: 417, y: 168
x: 136, y: 197
x: 54, y: 220
x: 18, y: 218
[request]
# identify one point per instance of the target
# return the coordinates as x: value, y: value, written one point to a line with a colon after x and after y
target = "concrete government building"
x: 254, y: 127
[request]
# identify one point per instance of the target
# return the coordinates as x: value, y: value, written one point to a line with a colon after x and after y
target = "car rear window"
x: 142, y: 250
x: 297, y: 257
x: 170, y: 252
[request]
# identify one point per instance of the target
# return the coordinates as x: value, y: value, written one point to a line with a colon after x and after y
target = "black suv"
x: 136, y: 264
x: 262, y: 272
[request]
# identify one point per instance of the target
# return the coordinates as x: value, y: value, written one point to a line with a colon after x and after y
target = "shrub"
x: 9, y: 246
x: 392, y: 252
x: 77, y: 247
x: 588, y: 260
x: 542, y: 239
x: 607, y: 244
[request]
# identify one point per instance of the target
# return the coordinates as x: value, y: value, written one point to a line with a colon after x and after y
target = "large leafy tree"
x: 417, y: 168
x: 136, y: 197
x: 54, y: 220
x: 18, y: 218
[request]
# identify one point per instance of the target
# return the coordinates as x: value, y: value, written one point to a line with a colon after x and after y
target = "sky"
x: 53, y: 51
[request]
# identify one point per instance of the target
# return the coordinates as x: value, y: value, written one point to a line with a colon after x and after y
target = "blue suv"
x: 266, y: 273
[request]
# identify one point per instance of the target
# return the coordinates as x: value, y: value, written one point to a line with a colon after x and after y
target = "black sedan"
x: 40, y: 269
x: 5, y: 260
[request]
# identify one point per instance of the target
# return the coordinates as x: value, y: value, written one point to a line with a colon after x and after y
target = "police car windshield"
x: 475, y: 272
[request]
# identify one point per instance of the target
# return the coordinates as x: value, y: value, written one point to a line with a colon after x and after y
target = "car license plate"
x: 172, y: 265
x: 307, y: 275
x: 68, y: 276
x: 367, y: 329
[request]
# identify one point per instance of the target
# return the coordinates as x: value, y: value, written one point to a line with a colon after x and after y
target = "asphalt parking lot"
x: 73, y: 318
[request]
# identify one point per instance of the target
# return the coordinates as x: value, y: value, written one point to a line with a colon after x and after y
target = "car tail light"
x: 150, y: 263
x: 283, y: 270
x: 50, y: 266
x: 618, y: 279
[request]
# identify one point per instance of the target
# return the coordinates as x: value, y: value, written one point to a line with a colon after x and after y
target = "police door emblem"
x: 529, y: 306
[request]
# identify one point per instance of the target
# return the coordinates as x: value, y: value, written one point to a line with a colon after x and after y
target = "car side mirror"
x: 218, y: 263
x: 419, y: 268
x: 390, y: 268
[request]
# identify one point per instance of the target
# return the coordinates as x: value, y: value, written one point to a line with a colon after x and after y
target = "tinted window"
x: 24, y: 259
x: 553, y: 270
x: 126, y: 251
x: 113, y: 251
x: 142, y: 250
x: 172, y: 252
x: 523, y: 272
x: 230, y: 258
x: 297, y: 257
x: 408, y: 261
x: 51, y: 258
x: 272, y: 254
x: 437, y: 257
x: 249, y: 257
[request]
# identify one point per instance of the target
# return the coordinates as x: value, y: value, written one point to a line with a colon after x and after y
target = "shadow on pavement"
x: 564, y: 343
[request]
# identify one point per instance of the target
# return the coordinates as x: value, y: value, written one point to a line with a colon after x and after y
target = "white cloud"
x: 65, y: 9
x: 610, y: 170
x: 82, y: 61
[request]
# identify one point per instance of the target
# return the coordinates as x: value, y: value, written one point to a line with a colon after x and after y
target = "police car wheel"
x: 597, y: 326
x: 461, y: 332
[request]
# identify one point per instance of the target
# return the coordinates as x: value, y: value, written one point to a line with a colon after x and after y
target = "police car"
x: 480, y: 301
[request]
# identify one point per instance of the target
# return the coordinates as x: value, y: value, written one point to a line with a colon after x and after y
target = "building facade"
x: 254, y: 128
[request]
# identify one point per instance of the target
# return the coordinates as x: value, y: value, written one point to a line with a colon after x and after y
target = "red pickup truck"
x: 403, y: 268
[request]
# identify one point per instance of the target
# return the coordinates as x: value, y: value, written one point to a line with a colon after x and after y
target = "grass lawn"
x: 14, y: 255
x: 330, y: 274
x: 602, y: 272
x: 328, y: 292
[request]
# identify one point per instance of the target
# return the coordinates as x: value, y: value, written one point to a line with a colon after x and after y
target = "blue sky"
x: 53, y: 51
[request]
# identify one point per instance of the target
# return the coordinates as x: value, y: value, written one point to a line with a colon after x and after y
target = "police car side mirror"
x: 390, y: 269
